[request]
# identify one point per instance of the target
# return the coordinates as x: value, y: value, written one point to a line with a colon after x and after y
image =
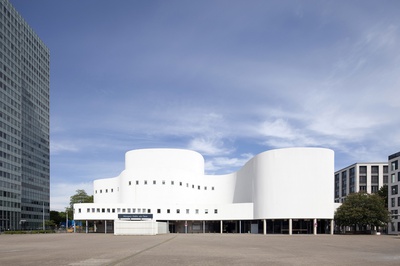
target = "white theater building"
x: 283, y: 191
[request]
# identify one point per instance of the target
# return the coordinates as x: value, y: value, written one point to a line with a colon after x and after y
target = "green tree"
x: 362, y: 210
x: 57, y: 217
x: 383, y: 193
x: 79, y: 197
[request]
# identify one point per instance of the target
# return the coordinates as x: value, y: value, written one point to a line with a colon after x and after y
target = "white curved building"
x: 278, y: 191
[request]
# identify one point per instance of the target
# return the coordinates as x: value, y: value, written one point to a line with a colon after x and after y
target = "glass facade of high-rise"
x: 24, y: 124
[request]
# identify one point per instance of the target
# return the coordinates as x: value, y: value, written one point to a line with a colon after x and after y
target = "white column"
x: 315, y: 226
x: 221, y: 227
x: 204, y: 227
x: 332, y: 226
x: 87, y: 229
x: 290, y: 227
x: 265, y: 226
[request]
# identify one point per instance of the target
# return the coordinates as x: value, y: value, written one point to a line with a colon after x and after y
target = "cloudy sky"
x: 229, y: 79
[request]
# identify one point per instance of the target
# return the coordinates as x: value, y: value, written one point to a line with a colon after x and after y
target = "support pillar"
x: 332, y: 226
x: 240, y: 226
x: 315, y: 224
x: 290, y: 227
x: 221, y: 226
x: 265, y: 226
x: 105, y: 226
x: 186, y: 227
x: 204, y: 227
x: 87, y: 229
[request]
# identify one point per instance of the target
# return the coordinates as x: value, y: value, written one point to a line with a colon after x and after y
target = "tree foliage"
x: 80, y: 197
x: 362, y: 209
x: 383, y: 193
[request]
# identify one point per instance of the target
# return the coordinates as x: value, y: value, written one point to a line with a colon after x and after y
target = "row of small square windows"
x: 128, y: 210
x: 172, y: 183
x: 154, y: 183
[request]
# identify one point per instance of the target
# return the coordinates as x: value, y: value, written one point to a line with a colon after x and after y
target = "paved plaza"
x: 198, y: 249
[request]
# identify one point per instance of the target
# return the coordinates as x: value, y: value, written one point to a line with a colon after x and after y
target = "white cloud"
x: 226, y: 164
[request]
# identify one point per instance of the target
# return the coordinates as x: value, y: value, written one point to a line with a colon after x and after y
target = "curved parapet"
x: 293, y: 182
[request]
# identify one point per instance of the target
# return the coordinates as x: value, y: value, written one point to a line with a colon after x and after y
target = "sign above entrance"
x: 135, y: 216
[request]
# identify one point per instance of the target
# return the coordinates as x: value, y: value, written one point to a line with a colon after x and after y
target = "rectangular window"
x: 395, y: 190
x: 95, y: 192
x: 118, y: 210
x: 394, y: 165
x: 197, y: 211
x: 158, y: 210
x: 212, y: 188
x: 187, y: 184
x: 93, y: 210
x: 192, y: 186
x: 130, y: 183
x: 106, y: 190
x: 205, y: 188
x: 138, y: 210
x: 113, y: 210
x: 168, y: 211
x: 133, y: 210
x: 98, y: 210
x: 385, y: 169
x: 145, y: 182
x: 198, y: 187
x: 398, y: 176
x: 375, y: 169
x: 148, y: 210
x: 112, y: 190
x: 108, y: 210
x: 137, y: 182
x: 206, y: 211
x: 398, y: 201
x: 363, y: 179
x: 163, y: 182
x: 374, y: 189
x: 363, y: 169
x: 393, y: 178
x: 172, y: 182
x: 88, y: 210
x: 123, y: 210
x: 375, y: 179
x: 154, y: 182
x: 180, y: 183
x: 178, y: 211
x: 129, y: 210
x: 101, y: 191
x: 216, y: 211
x: 187, y: 210
x: 363, y: 188
x: 103, y: 210
x: 392, y: 200
x: 79, y: 210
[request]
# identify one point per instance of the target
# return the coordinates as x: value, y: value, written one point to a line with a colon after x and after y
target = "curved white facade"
x: 292, y: 183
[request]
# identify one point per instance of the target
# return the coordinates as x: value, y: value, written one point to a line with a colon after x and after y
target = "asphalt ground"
x: 199, y: 249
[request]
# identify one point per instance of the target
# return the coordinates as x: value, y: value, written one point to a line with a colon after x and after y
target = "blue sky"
x: 229, y: 79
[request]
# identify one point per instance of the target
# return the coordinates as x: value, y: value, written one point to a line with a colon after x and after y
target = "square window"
x: 172, y: 182
x: 197, y: 211
x: 113, y: 210
x: 118, y: 210
x: 212, y: 188
x: 123, y: 210
x: 129, y: 210
x: 158, y: 210
x: 168, y: 211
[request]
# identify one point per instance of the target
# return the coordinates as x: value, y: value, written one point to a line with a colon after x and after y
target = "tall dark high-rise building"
x: 24, y: 124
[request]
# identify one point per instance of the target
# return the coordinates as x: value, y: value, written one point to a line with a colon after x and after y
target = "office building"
x: 360, y: 177
x: 24, y: 124
x: 393, y: 193
x: 281, y: 191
